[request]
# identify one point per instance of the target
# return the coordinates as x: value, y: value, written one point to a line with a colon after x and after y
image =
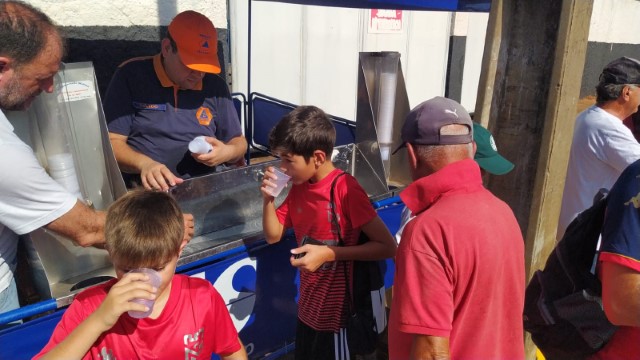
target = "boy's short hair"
x: 303, y: 131
x: 144, y: 229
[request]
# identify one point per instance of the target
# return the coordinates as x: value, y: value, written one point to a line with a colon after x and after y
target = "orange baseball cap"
x: 197, y: 41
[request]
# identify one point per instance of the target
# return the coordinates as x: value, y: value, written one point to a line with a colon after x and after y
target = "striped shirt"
x: 322, y: 304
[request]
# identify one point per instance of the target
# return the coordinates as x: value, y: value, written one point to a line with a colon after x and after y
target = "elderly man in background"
x: 460, y: 265
x: 602, y: 145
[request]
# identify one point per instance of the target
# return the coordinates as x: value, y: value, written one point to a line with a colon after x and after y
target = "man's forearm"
x: 129, y: 160
x: 81, y: 224
x: 239, y: 146
x: 271, y: 227
x: 427, y: 347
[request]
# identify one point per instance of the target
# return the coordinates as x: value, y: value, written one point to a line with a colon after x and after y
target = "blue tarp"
x: 435, y: 5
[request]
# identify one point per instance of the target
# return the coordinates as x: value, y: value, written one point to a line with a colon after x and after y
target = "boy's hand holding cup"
x: 135, y: 283
x: 154, y: 280
x: 274, y: 181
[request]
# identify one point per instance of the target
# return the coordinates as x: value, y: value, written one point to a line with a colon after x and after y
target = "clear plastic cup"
x: 154, y: 280
x: 200, y: 146
x: 281, y: 182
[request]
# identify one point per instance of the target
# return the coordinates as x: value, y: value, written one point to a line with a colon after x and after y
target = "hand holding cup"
x: 279, y: 182
x: 199, y: 145
x: 154, y: 280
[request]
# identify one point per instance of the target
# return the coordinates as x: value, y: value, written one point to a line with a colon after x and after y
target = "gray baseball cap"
x: 422, y: 125
x: 624, y: 70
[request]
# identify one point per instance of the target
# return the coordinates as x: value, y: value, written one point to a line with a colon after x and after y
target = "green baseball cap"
x: 487, y: 153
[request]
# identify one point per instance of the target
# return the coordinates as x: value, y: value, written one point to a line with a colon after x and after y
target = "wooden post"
x: 489, y: 64
x: 563, y: 96
x: 531, y: 111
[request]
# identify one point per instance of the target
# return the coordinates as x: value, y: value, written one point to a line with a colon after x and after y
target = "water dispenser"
x: 68, y: 134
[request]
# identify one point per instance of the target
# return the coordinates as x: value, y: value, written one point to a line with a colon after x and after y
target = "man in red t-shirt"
x: 304, y: 140
x: 460, y: 265
x: 189, y: 319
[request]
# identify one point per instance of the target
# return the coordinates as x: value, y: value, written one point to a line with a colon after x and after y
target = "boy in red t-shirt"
x: 304, y: 141
x: 144, y: 229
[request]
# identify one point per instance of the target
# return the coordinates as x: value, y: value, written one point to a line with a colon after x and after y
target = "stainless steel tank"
x: 68, y: 134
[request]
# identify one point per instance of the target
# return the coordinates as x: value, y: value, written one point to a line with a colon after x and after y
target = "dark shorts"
x: 320, y: 345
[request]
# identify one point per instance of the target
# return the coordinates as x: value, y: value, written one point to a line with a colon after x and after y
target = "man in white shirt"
x: 30, y: 52
x: 31, y: 49
x: 602, y: 145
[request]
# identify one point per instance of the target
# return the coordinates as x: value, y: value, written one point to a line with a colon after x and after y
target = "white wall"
x: 615, y: 21
x: 300, y: 54
x: 126, y: 13
x: 425, y: 54
x: 309, y: 54
x: 476, y: 33
x: 319, y: 65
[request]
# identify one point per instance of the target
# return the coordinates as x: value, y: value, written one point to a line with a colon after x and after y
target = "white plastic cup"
x: 154, y: 280
x: 63, y: 161
x: 70, y: 183
x: 281, y: 182
x: 200, y: 146
x: 66, y: 177
x: 63, y: 173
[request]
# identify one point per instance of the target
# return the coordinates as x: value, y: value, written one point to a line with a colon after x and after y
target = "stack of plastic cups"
x: 62, y: 170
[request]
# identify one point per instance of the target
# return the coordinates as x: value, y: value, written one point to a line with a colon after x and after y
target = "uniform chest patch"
x: 204, y: 116
x: 146, y: 106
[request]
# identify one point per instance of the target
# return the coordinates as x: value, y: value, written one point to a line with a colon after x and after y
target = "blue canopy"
x: 441, y: 5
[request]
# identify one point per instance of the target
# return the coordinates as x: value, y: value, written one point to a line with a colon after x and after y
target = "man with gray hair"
x: 602, y: 145
x: 460, y: 265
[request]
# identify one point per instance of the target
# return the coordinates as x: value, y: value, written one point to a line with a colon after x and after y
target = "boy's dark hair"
x: 144, y: 229
x: 303, y: 131
x: 23, y: 31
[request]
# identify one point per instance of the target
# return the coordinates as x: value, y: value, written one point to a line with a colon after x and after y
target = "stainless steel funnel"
x: 382, y: 105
